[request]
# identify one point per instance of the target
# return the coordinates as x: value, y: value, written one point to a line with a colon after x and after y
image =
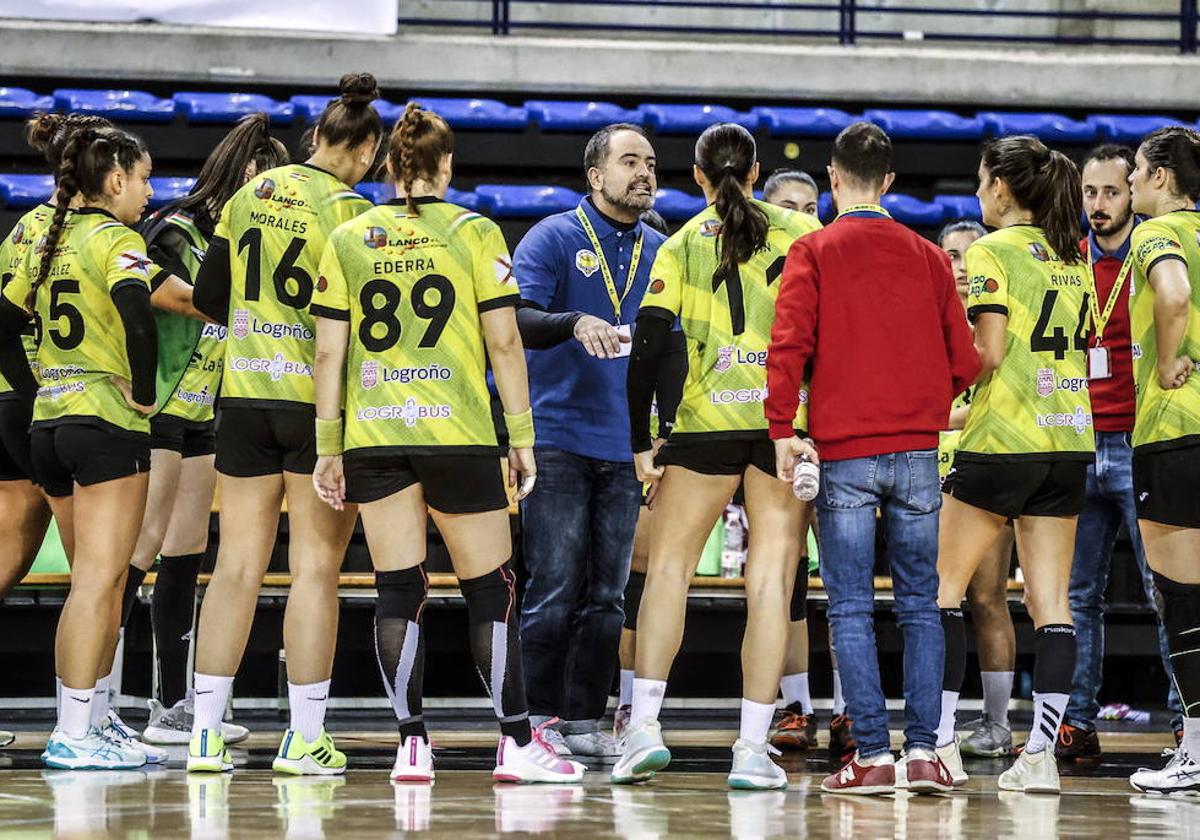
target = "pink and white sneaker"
x: 414, y: 761
x: 537, y: 761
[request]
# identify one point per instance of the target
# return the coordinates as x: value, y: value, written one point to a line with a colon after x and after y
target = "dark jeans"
x: 1109, y: 503
x: 905, y: 486
x: 577, y: 528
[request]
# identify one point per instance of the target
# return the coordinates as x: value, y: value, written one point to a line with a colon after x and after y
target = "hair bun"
x: 358, y: 89
x: 41, y: 130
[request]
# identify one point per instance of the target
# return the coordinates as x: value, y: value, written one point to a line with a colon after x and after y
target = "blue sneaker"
x: 91, y: 752
x: 644, y: 754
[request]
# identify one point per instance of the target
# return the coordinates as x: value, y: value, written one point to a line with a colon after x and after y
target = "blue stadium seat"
x: 485, y: 114
x: 825, y: 210
x: 804, y: 122
x: 956, y: 207
x: 676, y: 205
x: 309, y: 108
x: 523, y: 202
x: 25, y: 191
x: 1051, y: 128
x: 169, y: 189
x: 926, y: 125
x: 228, y: 108
x: 463, y: 199
x: 377, y: 192
x: 913, y: 211
x: 19, y: 102
x: 123, y: 105
x: 1124, y: 128
x: 690, y: 119
x: 579, y: 116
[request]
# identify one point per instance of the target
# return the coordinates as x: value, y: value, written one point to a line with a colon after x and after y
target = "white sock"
x: 75, y: 716
x: 647, y: 699
x: 58, y: 695
x: 794, y: 688
x: 1048, y: 711
x: 945, y: 730
x: 881, y: 760
x: 997, y: 691
x: 100, y: 700
x: 1191, y: 736
x: 307, y: 704
x: 626, y: 697
x: 756, y: 721
x: 839, y: 702
x: 211, y: 692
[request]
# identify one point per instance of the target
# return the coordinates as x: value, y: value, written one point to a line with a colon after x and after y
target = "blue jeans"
x: 577, y: 532
x: 904, y: 485
x: 1109, y: 503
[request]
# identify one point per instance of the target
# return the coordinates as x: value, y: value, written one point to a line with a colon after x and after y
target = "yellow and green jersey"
x: 726, y: 320
x: 948, y: 440
x: 276, y: 227
x: 1165, y: 419
x: 82, y: 336
x: 178, y: 243
x: 28, y: 230
x: 412, y: 288
x: 1035, y: 406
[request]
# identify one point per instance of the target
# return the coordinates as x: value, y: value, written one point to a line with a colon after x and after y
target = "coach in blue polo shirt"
x: 582, y: 274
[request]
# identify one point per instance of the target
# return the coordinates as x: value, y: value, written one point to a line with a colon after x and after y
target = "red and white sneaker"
x: 926, y: 772
x: 414, y: 761
x: 864, y: 777
x: 537, y: 761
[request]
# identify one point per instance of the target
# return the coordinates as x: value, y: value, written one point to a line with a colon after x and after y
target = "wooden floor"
x: 690, y: 799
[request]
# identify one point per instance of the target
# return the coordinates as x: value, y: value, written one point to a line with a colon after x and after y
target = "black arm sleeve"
x: 541, y: 330
x: 141, y: 338
x: 651, y: 340
x: 668, y: 390
x: 13, y: 362
x: 213, y: 282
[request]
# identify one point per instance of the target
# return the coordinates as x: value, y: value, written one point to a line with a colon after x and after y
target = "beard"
x: 1109, y: 226
x: 629, y: 199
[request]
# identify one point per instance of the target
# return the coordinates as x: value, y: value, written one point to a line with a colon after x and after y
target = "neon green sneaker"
x: 320, y: 758
x: 207, y: 753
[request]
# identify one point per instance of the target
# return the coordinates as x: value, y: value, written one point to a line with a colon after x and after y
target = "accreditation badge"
x: 626, y: 346
x: 1098, y: 363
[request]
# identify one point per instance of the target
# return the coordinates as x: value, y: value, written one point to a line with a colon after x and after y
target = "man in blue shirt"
x: 582, y: 275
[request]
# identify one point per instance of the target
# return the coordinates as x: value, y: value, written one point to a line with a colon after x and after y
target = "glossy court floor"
x: 689, y: 800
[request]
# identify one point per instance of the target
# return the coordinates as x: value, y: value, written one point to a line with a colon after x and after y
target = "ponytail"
x: 224, y: 172
x: 1044, y: 182
x: 418, y: 143
x: 1178, y: 149
x: 726, y: 154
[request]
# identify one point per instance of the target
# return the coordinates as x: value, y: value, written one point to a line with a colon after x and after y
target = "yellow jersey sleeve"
x: 1154, y: 240
x: 492, y: 269
x: 222, y: 228
x: 665, y: 291
x: 16, y: 289
x: 127, y: 261
x: 331, y: 298
x: 988, y: 281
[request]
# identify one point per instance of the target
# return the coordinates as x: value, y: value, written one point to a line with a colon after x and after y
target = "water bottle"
x: 805, y: 481
x: 733, y: 554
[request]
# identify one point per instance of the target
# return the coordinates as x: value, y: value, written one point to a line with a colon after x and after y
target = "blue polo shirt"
x: 579, y: 401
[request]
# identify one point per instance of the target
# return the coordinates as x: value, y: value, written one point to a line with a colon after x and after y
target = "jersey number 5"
x: 376, y: 312
x: 286, y: 270
x: 59, y: 309
x: 1057, y: 342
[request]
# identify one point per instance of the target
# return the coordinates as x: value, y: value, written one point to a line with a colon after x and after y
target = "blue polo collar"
x: 603, y: 225
x: 1097, y: 253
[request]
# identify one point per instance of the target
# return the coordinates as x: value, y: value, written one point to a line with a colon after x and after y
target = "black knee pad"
x: 633, y: 598
x: 955, y: 631
x: 1054, y: 649
x: 491, y: 597
x: 401, y: 593
x: 799, y: 606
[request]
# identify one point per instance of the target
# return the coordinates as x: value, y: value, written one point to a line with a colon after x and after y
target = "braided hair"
x: 418, y: 143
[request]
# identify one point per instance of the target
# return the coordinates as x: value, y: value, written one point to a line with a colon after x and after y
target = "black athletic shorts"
x: 451, y: 483
x: 76, y: 453
x: 1166, y: 485
x: 719, y: 456
x: 16, y: 463
x: 188, y: 438
x: 266, y: 441
x: 1019, y: 488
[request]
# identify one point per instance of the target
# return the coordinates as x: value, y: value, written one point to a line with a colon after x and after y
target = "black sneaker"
x: 1076, y: 744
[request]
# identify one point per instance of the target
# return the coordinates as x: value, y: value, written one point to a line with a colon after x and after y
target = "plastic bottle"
x: 733, y: 555
x: 806, y: 480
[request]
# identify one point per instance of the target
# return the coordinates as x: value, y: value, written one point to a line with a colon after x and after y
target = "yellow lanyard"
x: 1100, y: 319
x: 609, y: 284
x: 864, y: 208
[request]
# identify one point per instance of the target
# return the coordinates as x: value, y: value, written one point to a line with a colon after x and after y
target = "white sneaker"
x: 233, y: 733
x: 91, y: 752
x: 644, y: 755
x: 414, y: 761
x: 951, y: 756
x: 173, y: 726
x: 1180, y: 777
x: 593, y: 745
x: 753, y: 768
x: 115, y: 729
x: 6, y: 737
x: 553, y: 737
x: 537, y: 761
x: 1032, y: 773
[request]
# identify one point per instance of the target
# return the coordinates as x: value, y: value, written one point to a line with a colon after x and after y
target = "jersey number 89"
x: 376, y: 312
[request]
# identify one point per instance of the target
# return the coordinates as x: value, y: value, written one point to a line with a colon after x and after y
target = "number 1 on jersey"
x: 287, y: 269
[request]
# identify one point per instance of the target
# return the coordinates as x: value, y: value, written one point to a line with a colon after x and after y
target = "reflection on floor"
x: 689, y: 800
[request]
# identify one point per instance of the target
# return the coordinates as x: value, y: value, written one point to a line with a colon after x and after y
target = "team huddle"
x: 276, y: 333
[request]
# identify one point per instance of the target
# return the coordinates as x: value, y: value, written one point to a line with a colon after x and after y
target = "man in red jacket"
x: 871, y: 309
